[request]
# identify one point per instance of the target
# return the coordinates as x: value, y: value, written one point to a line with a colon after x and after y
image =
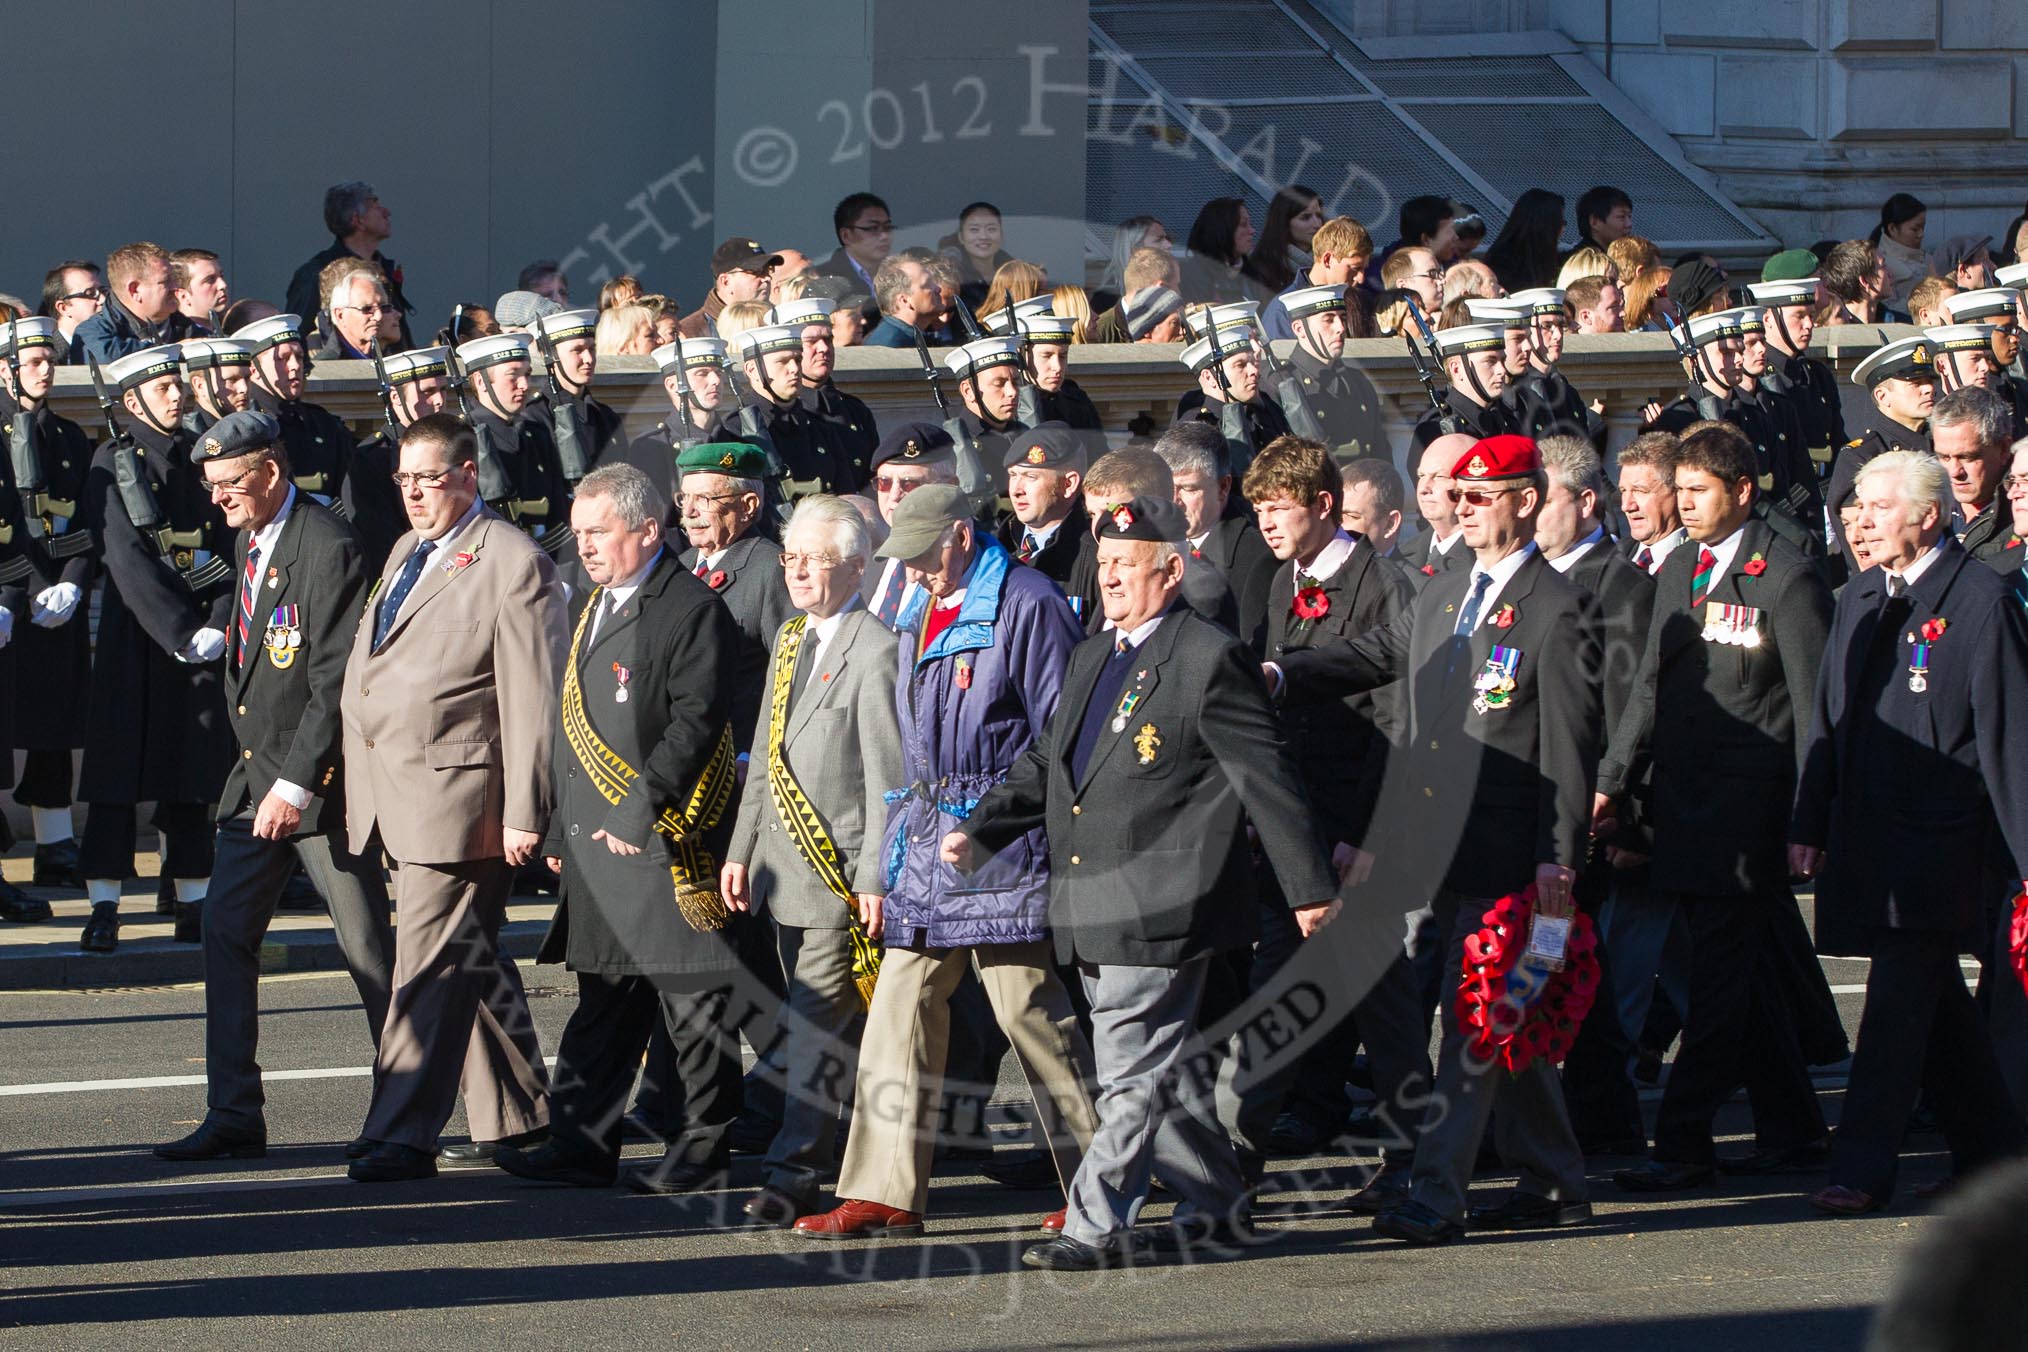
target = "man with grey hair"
x: 353, y: 304
x: 806, y: 845
x: 1909, y: 800
x: 1219, y: 526
x: 644, y: 750
x: 1970, y: 429
x: 359, y: 224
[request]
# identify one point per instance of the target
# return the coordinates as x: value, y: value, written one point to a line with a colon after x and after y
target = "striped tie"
x: 1700, y: 581
x: 247, y: 591
x: 1644, y: 559
x: 888, y: 608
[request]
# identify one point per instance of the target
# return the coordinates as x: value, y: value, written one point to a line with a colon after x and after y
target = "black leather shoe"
x: 359, y: 1147
x: 478, y: 1154
x: 636, y: 1126
x: 773, y: 1209
x: 1026, y: 1173
x: 189, y: 922
x: 56, y: 865
x: 1295, y: 1134
x: 1527, y: 1211
x: 1663, y: 1176
x: 165, y: 896
x: 212, y: 1141
x: 666, y: 1179
x: 1064, y: 1254
x: 752, y: 1135
x: 102, y: 931
x: 1807, y: 1158
x: 393, y: 1163
x: 18, y: 906
x: 1387, y: 1190
x: 1414, y: 1223
x: 550, y: 1163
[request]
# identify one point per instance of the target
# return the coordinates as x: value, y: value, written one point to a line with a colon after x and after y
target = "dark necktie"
x: 1468, y: 620
x: 806, y: 661
x: 246, y: 600
x: 403, y: 585
x: 1700, y: 581
x: 1099, y: 711
x: 1644, y: 558
x: 888, y: 611
x: 1028, y: 551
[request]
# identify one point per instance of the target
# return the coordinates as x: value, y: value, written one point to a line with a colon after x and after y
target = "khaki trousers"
x: 901, y: 1064
x: 459, y: 1018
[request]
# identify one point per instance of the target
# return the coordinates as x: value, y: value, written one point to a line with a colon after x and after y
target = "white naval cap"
x: 689, y: 353
x: 1313, y: 300
x: 138, y: 368
x: 568, y: 324
x: 765, y: 338
x: 1986, y: 303
x: 1002, y: 322
x: 1904, y: 359
x: 1228, y: 340
x: 982, y: 355
x: 1228, y: 315
x: 201, y: 354
x: 1792, y: 291
x: 492, y: 350
x: 1462, y: 338
x: 809, y: 310
x: 34, y: 331
x: 403, y: 367
x: 273, y: 331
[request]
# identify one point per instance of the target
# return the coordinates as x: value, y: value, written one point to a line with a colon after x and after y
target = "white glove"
x: 53, y: 605
x: 206, y: 645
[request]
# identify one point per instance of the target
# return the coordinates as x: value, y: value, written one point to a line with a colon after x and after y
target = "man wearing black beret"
x: 1045, y: 478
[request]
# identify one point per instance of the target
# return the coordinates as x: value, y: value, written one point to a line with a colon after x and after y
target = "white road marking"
x: 171, y: 1081
x: 166, y: 1191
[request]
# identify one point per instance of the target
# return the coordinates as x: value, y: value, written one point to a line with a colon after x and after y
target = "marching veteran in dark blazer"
x: 1162, y: 750
x: 297, y: 599
x: 1912, y: 814
x: 806, y: 845
x: 1493, y: 787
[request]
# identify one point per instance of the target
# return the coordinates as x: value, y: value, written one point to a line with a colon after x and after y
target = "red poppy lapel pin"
x: 1754, y: 566
x: 1504, y: 617
x: 1311, y: 603
x: 460, y: 561
x: 717, y: 580
x: 1933, y: 628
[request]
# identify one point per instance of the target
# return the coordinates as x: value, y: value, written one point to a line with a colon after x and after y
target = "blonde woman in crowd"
x: 1071, y: 302
x: 625, y: 330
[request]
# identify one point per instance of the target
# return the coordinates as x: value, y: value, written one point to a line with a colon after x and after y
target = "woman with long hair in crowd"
x: 1648, y: 308
x: 1283, y: 249
x: 1525, y: 253
x: 1013, y: 280
x: 1220, y: 239
x: 1898, y: 237
x: 1588, y: 261
x: 625, y: 330
x: 1135, y: 232
x: 974, y: 249
x: 1071, y: 302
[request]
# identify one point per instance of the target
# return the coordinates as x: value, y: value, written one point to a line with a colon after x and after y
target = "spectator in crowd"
x: 353, y: 302
x: 140, y: 310
x: 1283, y: 253
x: 1966, y: 259
x: 1926, y: 301
x: 72, y: 292
x: 625, y: 330
x: 1154, y: 314
x: 1340, y: 250
x: 1014, y: 281
x: 908, y: 301
x: 1586, y: 261
x: 667, y: 316
x: 740, y: 316
x: 517, y: 311
x: 545, y: 278
x: 1372, y: 504
x: 624, y: 289
x: 1632, y: 254
x: 974, y: 249
x: 473, y: 321
x: 1417, y: 271
x: 201, y: 292
x: 789, y: 288
x: 1604, y: 214
x: 1471, y: 277
x: 794, y: 263
x: 1129, y: 237
x: 1596, y: 305
x: 1220, y: 239
x: 739, y: 271
x: 865, y: 230
x: 1649, y: 308
x: 1427, y: 222
x: 2014, y: 242
x: 1898, y: 237
x: 1855, y: 279
x: 1071, y: 302
x: 1524, y: 253
x: 359, y: 223
x: 1471, y: 231
x: 1149, y: 269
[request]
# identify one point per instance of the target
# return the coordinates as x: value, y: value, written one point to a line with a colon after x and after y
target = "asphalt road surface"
x: 103, y: 1246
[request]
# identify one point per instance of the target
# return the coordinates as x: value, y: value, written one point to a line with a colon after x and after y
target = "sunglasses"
x: 1477, y: 497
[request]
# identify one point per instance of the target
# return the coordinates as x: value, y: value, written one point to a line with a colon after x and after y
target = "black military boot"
x: 102, y: 931
x: 56, y: 865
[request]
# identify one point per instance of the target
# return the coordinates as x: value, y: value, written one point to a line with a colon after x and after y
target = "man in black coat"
x: 1331, y: 587
x: 1046, y: 345
x: 1545, y: 402
x: 520, y: 474
x: 1340, y: 398
x: 720, y: 502
x: 814, y: 455
x: 1789, y: 320
x: 318, y: 445
x: 1221, y: 527
x: 1228, y: 396
x: 52, y: 652
x: 157, y: 731
x: 852, y: 426
x: 1900, y: 378
x: 1045, y: 481
x: 1911, y: 814
x: 298, y: 597
x: 576, y: 420
x: 1164, y: 750
x: 644, y: 768
x: 1475, y: 363
x: 416, y: 387
x: 1121, y: 476
x: 1971, y: 431
x: 1722, y: 704
x: 1501, y: 665
x: 1439, y: 548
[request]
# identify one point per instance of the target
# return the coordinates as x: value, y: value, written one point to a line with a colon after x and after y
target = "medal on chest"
x: 1919, y: 645
x: 621, y: 675
x: 284, y: 637
x: 1495, y: 682
x: 1735, y: 626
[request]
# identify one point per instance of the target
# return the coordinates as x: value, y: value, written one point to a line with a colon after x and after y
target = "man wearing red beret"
x: 1502, y: 666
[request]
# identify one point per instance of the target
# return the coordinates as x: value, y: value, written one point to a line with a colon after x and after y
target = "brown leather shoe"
x: 860, y: 1220
x: 1839, y: 1200
x: 1052, y: 1224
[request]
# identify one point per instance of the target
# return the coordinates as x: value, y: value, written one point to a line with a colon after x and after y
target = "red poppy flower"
x: 717, y: 580
x: 1933, y: 629
x: 2017, y: 938
x: 1312, y: 604
x: 1503, y: 618
x: 461, y: 560
x: 1754, y: 566
x: 1429, y: 570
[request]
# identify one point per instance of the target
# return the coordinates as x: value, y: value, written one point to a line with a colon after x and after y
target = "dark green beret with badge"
x: 735, y: 459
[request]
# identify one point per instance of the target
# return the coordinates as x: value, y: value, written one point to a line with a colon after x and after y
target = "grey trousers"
x: 1144, y: 1022
x: 1532, y: 1130
x: 458, y: 1019
x: 246, y: 883
x: 821, y: 1021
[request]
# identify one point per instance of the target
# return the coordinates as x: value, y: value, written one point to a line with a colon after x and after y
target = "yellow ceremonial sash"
x: 692, y: 870
x: 805, y: 827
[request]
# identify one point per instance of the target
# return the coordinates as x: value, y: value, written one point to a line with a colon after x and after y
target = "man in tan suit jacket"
x: 840, y: 748
x: 449, y: 710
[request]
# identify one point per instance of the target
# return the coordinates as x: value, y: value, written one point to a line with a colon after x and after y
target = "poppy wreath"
x: 1513, y: 1017
x: 2017, y: 939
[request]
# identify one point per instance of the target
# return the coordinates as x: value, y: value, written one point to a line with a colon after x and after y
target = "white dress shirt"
x: 1335, y: 554
x: 1502, y: 573
x: 618, y: 595
x: 1565, y: 561
x: 818, y: 636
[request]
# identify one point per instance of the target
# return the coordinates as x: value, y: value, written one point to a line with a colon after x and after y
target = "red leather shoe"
x: 860, y: 1220
x: 1052, y: 1224
x: 1839, y: 1200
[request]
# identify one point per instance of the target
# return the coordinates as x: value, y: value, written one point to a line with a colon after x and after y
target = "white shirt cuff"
x: 295, y: 795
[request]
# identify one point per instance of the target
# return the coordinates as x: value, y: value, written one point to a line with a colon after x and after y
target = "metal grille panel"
x: 1524, y: 76
x: 1135, y: 180
x: 1367, y: 160
x: 1155, y: 29
x: 1296, y: 76
x: 1562, y: 147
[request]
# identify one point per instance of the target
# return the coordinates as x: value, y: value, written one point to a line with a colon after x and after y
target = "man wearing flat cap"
x: 1502, y: 667
x: 739, y: 271
x: 297, y: 598
x: 1165, y: 749
x: 978, y: 678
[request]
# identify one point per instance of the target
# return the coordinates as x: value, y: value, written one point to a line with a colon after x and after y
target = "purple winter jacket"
x: 969, y: 707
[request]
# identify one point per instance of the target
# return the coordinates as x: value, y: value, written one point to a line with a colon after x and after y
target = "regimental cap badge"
x: 211, y: 446
x: 911, y: 449
x: 1123, y: 517
x: 726, y: 461
x: 1037, y: 455
x: 1477, y: 465
x: 1920, y: 356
